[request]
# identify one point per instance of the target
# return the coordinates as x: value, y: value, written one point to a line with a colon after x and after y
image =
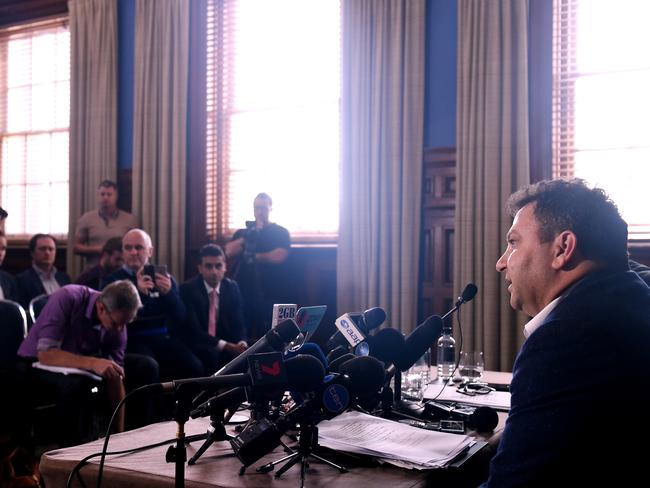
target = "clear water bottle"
x: 446, y: 355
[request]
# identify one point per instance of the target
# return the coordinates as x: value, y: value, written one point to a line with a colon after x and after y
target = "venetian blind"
x: 34, y: 120
x: 601, y: 113
x: 273, y: 90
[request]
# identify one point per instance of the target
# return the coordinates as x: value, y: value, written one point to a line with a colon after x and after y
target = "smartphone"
x: 452, y: 426
x: 152, y: 269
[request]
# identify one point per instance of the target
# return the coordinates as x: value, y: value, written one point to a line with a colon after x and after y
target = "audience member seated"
x: 161, y: 313
x: 110, y: 261
x: 85, y: 329
x: 42, y: 277
x: 96, y: 227
x: 8, y: 285
x: 214, y: 328
x: 642, y: 270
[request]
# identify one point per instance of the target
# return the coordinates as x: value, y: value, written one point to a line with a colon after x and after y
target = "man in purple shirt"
x: 85, y: 329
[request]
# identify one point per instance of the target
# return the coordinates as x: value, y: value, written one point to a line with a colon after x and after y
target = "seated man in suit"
x: 566, y: 266
x: 110, y: 261
x: 42, y: 277
x: 162, y: 311
x: 85, y: 329
x: 8, y: 285
x: 214, y: 328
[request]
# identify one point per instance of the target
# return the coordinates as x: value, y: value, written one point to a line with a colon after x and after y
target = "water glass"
x: 471, y: 365
x: 415, y: 380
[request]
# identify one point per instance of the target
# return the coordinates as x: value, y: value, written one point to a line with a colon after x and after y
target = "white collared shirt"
x: 539, y: 319
x: 47, y: 279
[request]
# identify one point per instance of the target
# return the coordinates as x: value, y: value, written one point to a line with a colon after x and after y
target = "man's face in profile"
x: 526, y: 263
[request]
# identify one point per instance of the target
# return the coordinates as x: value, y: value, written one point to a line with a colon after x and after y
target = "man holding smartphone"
x: 162, y: 310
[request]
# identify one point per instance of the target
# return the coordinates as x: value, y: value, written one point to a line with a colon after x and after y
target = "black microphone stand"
x: 177, y: 454
x: 308, y: 441
x: 216, y: 432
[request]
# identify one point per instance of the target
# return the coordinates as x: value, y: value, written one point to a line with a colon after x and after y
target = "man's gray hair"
x: 121, y: 295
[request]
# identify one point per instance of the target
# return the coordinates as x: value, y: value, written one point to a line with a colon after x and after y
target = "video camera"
x: 250, y: 242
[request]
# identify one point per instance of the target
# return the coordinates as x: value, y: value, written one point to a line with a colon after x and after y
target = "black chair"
x: 36, y: 306
x: 12, y: 332
x: 13, y: 329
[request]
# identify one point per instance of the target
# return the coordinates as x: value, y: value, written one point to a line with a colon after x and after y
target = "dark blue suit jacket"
x: 9, y: 286
x: 230, y: 324
x: 581, y: 390
x: 30, y: 285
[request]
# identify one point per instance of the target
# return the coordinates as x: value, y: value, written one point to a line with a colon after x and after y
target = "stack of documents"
x: 392, y: 442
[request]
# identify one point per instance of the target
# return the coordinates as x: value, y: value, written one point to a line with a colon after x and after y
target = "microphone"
x: 274, y: 340
x: 467, y: 295
x: 311, y: 349
x: 351, y: 333
x: 418, y: 341
x: 303, y: 373
x: 266, y: 369
x: 334, y: 365
x: 386, y: 345
x: 333, y: 397
x: 337, y: 352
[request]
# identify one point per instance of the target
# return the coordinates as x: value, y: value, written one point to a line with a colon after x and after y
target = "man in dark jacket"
x: 587, y: 346
x: 214, y: 327
x: 42, y: 278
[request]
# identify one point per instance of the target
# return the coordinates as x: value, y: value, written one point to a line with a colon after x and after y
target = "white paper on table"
x: 364, y: 434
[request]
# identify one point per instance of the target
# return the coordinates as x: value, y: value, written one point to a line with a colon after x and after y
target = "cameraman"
x: 262, y: 248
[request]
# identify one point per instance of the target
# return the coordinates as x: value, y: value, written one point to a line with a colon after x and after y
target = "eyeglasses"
x: 473, y: 389
x: 118, y: 324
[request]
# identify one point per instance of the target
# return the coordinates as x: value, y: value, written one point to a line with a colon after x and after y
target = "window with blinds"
x: 273, y: 90
x: 34, y: 120
x: 601, y: 112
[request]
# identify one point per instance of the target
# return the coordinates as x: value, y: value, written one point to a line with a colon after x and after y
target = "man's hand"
x: 237, y: 349
x: 163, y: 283
x: 145, y: 283
x: 107, y: 369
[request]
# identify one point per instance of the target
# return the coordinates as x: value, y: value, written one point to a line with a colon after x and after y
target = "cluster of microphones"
x: 354, y: 371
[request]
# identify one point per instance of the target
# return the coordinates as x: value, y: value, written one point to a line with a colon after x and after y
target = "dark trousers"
x: 140, y: 370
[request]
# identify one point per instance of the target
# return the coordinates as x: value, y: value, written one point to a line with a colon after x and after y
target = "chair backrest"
x: 13, y: 329
x: 36, y: 305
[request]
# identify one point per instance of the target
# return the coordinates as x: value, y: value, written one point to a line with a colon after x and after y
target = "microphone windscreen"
x: 337, y: 352
x: 417, y: 343
x: 336, y: 364
x: 373, y: 318
x: 484, y: 419
x: 304, y: 373
x: 386, y: 345
x: 469, y: 292
x: 287, y: 330
x: 366, y: 375
x: 311, y: 349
